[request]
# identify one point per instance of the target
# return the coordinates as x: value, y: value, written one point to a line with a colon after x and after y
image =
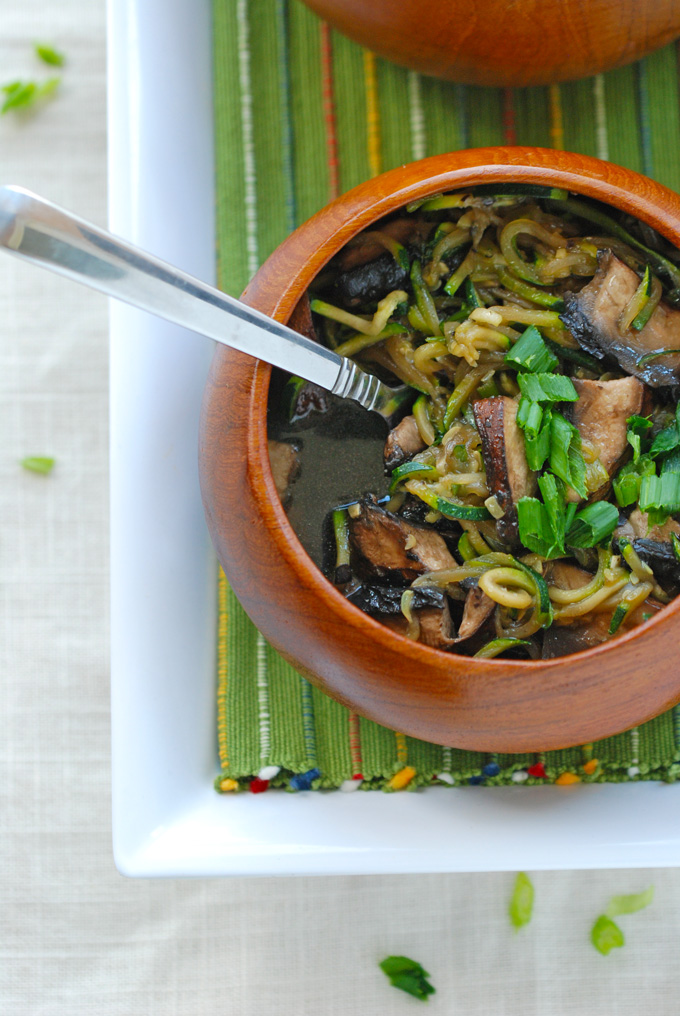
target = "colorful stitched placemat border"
x: 301, y: 115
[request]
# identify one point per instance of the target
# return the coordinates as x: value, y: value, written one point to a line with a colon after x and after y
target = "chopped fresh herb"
x: 530, y: 353
x: 605, y: 935
x: 636, y: 427
x: 661, y: 493
x: 626, y: 486
x: 547, y: 387
x: 619, y: 905
x: 23, y: 94
x: 38, y: 464
x: 407, y: 975
x: 49, y: 55
x: 592, y: 525
x: 542, y: 526
x: 566, y: 460
x: 522, y: 901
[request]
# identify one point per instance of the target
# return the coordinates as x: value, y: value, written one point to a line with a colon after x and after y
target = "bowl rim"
x: 277, y: 294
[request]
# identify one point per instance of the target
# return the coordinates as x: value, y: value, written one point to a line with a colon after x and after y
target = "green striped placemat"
x: 302, y: 114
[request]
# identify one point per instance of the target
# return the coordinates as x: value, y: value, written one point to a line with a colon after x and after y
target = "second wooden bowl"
x: 488, y: 705
x: 506, y: 42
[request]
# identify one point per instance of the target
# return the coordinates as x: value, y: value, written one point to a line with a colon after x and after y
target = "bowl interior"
x: 503, y: 705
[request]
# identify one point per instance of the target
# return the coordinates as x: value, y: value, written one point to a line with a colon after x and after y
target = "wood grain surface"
x: 506, y: 42
x: 492, y: 705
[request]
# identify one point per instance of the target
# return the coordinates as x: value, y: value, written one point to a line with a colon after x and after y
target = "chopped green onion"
x: 38, y: 464
x: 626, y: 486
x: 497, y: 646
x: 592, y: 525
x: 635, y: 428
x: 532, y: 420
x: 522, y: 901
x: 566, y: 460
x: 537, y: 449
x: 411, y: 469
x: 605, y: 935
x: 660, y: 493
x: 408, y: 976
x: 531, y: 354
x: 619, y: 905
x: 49, y: 55
x: 542, y: 526
x: 547, y: 387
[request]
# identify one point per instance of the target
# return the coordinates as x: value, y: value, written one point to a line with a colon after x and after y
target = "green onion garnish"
x: 530, y: 353
x: 566, y: 460
x: 38, y: 464
x: 665, y: 441
x: 49, y: 55
x: 630, y: 904
x: 547, y: 387
x: 626, y: 486
x: 592, y: 525
x: 522, y: 901
x: 636, y: 427
x: 542, y: 526
x: 407, y: 975
x: 605, y: 935
x: 660, y: 493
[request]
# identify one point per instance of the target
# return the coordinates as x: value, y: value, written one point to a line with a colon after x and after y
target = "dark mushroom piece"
x: 477, y: 611
x: 435, y: 626
x: 593, y: 314
x: 600, y: 416
x: 389, y: 548
x: 428, y: 605
x: 660, y: 557
x: 508, y: 476
x: 370, y: 282
x: 403, y: 442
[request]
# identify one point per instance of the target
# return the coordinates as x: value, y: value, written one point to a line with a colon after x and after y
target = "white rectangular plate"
x: 167, y: 819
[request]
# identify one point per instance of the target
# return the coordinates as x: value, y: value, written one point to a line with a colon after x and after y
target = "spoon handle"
x: 49, y: 236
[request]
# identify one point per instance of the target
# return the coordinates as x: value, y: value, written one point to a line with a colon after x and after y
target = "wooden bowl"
x: 506, y: 42
x: 490, y: 705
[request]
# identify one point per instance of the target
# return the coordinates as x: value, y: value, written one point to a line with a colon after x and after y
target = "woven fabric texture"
x: 303, y: 114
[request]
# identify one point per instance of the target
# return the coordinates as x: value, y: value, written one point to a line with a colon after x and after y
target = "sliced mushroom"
x: 508, y: 475
x: 477, y: 611
x: 390, y: 548
x: 435, y: 626
x: 592, y: 315
x: 370, y: 282
x: 402, y: 443
x: 600, y: 416
x: 285, y: 463
x: 661, y: 558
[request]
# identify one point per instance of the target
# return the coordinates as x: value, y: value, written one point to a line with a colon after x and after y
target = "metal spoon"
x: 49, y: 236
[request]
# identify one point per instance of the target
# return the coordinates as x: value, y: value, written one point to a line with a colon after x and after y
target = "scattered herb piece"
x: 24, y: 94
x: 407, y: 975
x: 566, y: 460
x: 38, y: 464
x: 605, y: 935
x: 629, y: 904
x: 49, y: 55
x: 522, y: 901
x: 547, y: 387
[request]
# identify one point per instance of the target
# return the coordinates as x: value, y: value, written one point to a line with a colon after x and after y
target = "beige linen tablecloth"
x: 79, y: 939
